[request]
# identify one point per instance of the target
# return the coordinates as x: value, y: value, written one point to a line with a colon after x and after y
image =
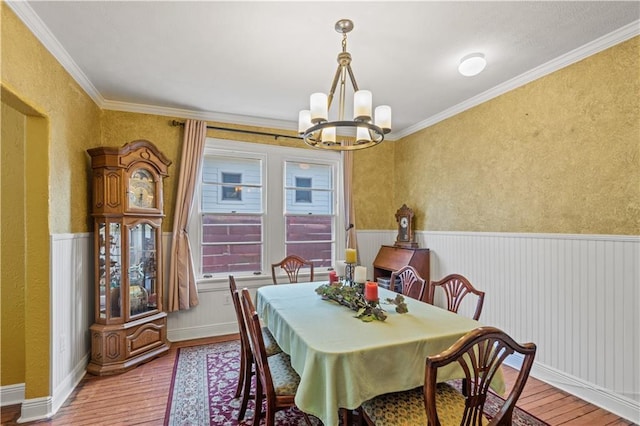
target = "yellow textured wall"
x: 12, y: 247
x: 55, y: 181
x: 373, y: 185
x: 558, y: 155
x: 36, y: 255
x: 31, y: 72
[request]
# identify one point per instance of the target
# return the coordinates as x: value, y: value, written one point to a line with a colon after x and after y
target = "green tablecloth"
x: 343, y: 361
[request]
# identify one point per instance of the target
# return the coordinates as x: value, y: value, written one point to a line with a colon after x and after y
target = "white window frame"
x: 274, y: 232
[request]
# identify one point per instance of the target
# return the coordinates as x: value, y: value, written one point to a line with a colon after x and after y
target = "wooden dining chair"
x: 277, y: 381
x: 456, y: 287
x: 292, y: 265
x: 480, y: 354
x: 246, y: 357
x: 413, y: 285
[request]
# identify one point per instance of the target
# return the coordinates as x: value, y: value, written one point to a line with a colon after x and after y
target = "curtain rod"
x: 252, y: 132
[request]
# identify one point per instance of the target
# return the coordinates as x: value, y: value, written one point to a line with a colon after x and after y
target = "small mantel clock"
x: 127, y: 209
x: 405, y: 238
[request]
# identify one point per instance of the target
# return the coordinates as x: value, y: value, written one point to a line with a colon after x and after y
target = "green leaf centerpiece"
x: 353, y: 298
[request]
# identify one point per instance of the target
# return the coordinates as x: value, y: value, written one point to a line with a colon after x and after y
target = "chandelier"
x: 344, y: 135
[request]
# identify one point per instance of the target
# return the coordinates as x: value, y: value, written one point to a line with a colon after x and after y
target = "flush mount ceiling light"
x: 472, y: 64
x: 343, y: 135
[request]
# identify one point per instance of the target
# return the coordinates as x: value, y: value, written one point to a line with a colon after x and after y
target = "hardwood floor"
x: 139, y: 397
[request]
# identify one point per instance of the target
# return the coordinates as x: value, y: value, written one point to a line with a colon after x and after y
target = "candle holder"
x: 349, y: 270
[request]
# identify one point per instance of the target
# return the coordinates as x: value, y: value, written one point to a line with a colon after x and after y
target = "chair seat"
x: 285, y: 379
x: 407, y: 408
x: 270, y: 345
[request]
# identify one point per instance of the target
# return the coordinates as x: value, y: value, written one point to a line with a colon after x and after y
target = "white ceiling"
x: 258, y: 62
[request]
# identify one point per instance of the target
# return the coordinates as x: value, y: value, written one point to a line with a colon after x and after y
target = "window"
x: 258, y: 203
x: 232, y: 192
x: 303, y: 196
x: 309, y: 229
x: 231, y: 224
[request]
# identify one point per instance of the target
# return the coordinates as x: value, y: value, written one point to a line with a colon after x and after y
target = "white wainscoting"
x: 71, y: 311
x: 576, y: 296
x: 71, y: 315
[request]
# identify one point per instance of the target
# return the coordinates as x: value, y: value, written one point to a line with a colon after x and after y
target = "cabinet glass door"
x: 110, y: 263
x: 143, y: 286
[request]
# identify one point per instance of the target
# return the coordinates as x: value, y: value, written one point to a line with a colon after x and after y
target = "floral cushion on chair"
x: 407, y: 408
x: 285, y: 379
x: 270, y: 345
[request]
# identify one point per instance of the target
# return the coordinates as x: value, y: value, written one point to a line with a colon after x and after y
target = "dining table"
x: 343, y: 361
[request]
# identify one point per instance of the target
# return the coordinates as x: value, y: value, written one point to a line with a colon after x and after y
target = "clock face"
x: 142, y: 189
x: 403, y: 230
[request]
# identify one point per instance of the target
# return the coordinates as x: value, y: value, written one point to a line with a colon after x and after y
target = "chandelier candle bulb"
x: 304, y: 120
x: 363, y: 135
x: 371, y: 291
x: 329, y: 135
x: 383, y: 117
x: 360, y: 276
x: 319, y: 107
x: 362, y: 101
x: 350, y: 255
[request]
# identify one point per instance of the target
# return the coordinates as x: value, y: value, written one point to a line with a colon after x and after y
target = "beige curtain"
x: 349, y: 209
x: 182, y: 281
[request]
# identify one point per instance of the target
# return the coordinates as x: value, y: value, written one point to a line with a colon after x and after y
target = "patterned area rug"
x: 204, y: 381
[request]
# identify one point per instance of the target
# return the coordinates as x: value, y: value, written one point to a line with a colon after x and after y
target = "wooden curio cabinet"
x: 130, y: 324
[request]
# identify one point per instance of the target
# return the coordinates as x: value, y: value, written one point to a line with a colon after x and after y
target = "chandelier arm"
x: 353, y: 78
x: 333, y: 86
x: 343, y: 77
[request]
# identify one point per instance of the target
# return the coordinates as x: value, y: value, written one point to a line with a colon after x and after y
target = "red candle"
x: 371, y: 291
x: 333, y: 277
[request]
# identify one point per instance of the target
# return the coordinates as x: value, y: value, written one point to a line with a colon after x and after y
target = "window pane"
x: 244, y: 196
x: 230, y: 258
x: 319, y: 253
x: 231, y: 243
x: 318, y: 198
x: 320, y: 174
x: 310, y: 237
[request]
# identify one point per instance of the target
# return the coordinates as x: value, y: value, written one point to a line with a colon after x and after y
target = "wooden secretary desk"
x: 392, y: 258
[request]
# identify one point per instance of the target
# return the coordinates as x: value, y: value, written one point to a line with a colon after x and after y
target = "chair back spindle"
x: 292, y: 265
x: 413, y: 285
x: 480, y: 354
x: 456, y: 287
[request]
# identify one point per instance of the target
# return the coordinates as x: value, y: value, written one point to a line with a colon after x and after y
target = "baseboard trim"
x: 178, y: 335
x: 36, y: 409
x: 603, y: 398
x: 67, y: 386
x: 11, y: 394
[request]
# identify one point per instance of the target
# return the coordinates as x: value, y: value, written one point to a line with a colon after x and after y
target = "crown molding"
x: 578, y: 54
x: 32, y: 21
x: 200, y: 115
